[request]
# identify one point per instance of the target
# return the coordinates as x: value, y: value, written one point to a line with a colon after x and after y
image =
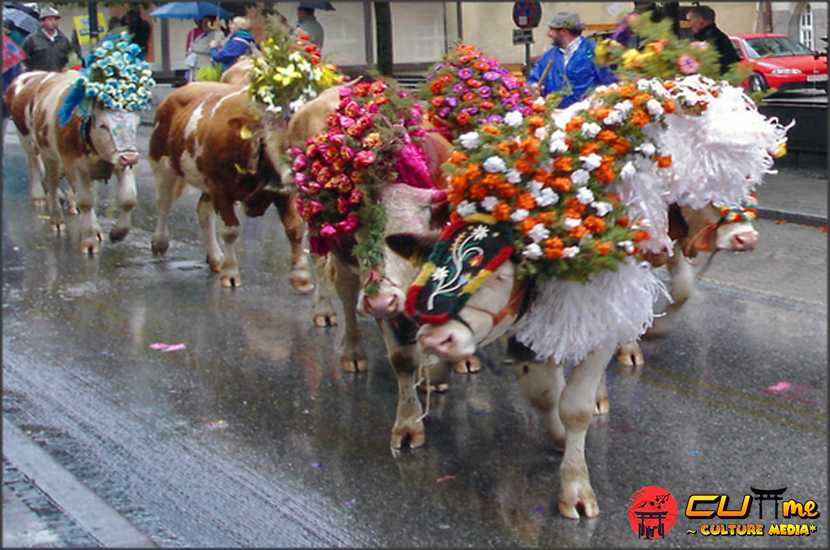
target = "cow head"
x: 712, y: 228
x: 406, y: 208
x: 113, y: 136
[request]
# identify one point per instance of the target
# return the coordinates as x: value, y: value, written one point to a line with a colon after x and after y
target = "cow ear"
x: 415, y: 247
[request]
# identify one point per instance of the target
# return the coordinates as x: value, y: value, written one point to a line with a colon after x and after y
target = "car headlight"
x: 786, y: 71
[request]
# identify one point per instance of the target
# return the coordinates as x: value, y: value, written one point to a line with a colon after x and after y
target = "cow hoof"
x: 159, y: 248
x: 118, y: 235
x: 230, y: 281
x: 72, y: 210
x: 602, y: 407
x: 57, y: 228
x: 415, y: 434
x: 354, y: 365
x: 323, y: 320
x: 436, y: 388
x: 215, y: 264
x: 575, y: 496
x: 300, y: 280
x: 89, y: 247
x: 39, y: 203
x: 630, y: 354
x: 470, y: 365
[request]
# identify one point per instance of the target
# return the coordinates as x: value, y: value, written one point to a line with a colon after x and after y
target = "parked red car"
x: 780, y: 62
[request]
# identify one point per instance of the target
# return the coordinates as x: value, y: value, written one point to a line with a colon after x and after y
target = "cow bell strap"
x: 517, y: 305
x: 84, y: 130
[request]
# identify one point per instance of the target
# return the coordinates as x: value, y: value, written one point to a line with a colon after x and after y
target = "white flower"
x: 513, y: 176
x: 469, y: 140
x: 644, y: 85
x: 513, y: 119
x: 654, y: 107
x: 532, y: 252
x: 642, y: 223
x: 602, y: 208
x: 494, y: 164
x: 440, y: 274
x: 580, y: 177
x: 535, y: 187
x: 648, y: 149
x: 570, y: 223
x: 628, y: 246
x: 613, y: 118
x: 585, y: 196
x: 591, y: 162
x: 623, y: 106
x: 489, y: 203
x: 539, y: 233
x: 548, y: 197
x: 541, y: 133
x: 519, y: 214
x: 557, y: 142
x: 465, y: 208
x: 591, y: 129
x: 570, y: 252
x: 480, y: 232
x: 628, y: 170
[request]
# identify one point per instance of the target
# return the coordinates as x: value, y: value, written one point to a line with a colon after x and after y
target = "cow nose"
x: 438, y: 343
x: 747, y: 240
x: 381, y: 305
x: 128, y: 159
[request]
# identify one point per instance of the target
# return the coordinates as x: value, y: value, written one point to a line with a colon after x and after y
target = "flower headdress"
x: 290, y: 72
x: 370, y: 142
x: 468, y: 89
x: 115, y: 77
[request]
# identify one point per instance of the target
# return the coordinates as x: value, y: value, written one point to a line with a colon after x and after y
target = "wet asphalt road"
x: 253, y: 436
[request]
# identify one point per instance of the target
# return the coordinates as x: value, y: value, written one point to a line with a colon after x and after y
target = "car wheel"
x: 757, y: 83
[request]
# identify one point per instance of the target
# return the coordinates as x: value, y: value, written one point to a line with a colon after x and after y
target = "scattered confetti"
x: 41, y: 217
x: 540, y: 509
x: 217, y: 425
x: 481, y: 412
x: 781, y: 386
x: 350, y: 503
x: 317, y: 464
x: 165, y: 348
x: 694, y: 452
x: 158, y: 345
x: 444, y: 478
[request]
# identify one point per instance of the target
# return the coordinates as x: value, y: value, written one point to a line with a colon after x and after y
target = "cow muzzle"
x: 128, y: 158
x: 451, y: 341
x: 739, y: 237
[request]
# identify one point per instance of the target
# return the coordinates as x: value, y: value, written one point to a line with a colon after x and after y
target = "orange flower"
x: 478, y: 191
x: 578, y: 232
x: 491, y: 181
x: 524, y: 165
x: 563, y: 164
x: 641, y: 236
x: 663, y: 162
x: 527, y: 224
x: 525, y: 201
x: 628, y: 91
x: 605, y: 174
x: 457, y: 157
x: 505, y: 147
x: 620, y: 146
x: 454, y: 216
x: 613, y: 198
x: 458, y: 183
x: 502, y: 212
x: 436, y: 87
x: 455, y: 196
x: 463, y: 118
x: 639, y: 117
x: 445, y: 78
x: 603, y: 247
x: 469, y: 96
x: 573, y: 124
x: 485, y: 104
x: 536, y: 121
x: 481, y: 66
x: 504, y: 92
x: 588, y: 148
x: 640, y: 99
x: 539, y: 107
x: 623, y: 221
x: 595, y: 224
x: 600, y: 112
x: 507, y: 190
x: 669, y: 106
x: 561, y: 183
x: 546, y: 218
x: 473, y: 171
x: 490, y: 129
x: 542, y: 175
x: 530, y: 146
x: 437, y: 101
x: 553, y: 247
x: 607, y: 136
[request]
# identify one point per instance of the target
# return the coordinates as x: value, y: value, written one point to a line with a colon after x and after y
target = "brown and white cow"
x: 85, y: 148
x: 207, y: 135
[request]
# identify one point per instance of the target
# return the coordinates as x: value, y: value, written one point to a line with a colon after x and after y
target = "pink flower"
x: 300, y: 177
x: 355, y: 196
x: 300, y: 162
x: 364, y: 158
x: 351, y: 109
x: 349, y: 225
x: 346, y: 153
x: 688, y: 64
x: 346, y: 122
x: 344, y: 184
x: 343, y: 205
x: 327, y: 230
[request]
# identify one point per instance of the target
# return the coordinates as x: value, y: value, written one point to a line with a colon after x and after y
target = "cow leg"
x: 51, y: 171
x: 229, y: 272
x: 409, y: 422
x: 126, y: 201
x: 169, y: 188
x: 324, y: 314
x: 36, y: 170
x: 602, y: 403
x: 300, y: 277
x: 630, y: 354
x: 438, y: 374
x: 207, y: 221
x: 91, y: 232
x: 680, y: 288
x: 576, y: 408
x: 470, y: 365
x: 347, y: 284
x: 542, y: 385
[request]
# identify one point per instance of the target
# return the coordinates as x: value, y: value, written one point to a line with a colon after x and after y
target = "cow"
x: 207, y: 135
x: 463, y: 306
x: 86, y: 148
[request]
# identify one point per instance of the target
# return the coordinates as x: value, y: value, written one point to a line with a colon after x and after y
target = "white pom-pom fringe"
x: 569, y: 319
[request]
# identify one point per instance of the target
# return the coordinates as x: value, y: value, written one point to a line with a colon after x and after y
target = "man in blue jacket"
x: 569, y: 63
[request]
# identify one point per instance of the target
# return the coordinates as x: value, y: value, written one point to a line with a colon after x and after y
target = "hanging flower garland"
x: 115, y: 77
x: 290, y: 72
x: 469, y: 89
x: 372, y: 133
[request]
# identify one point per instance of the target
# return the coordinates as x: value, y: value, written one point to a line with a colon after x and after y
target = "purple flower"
x: 459, y: 88
x: 465, y: 73
x: 484, y: 91
x: 444, y: 112
x: 494, y: 119
x: 491, y: 76
x: 471, y: 110
x: 451, y: 101
x: 510, y: 82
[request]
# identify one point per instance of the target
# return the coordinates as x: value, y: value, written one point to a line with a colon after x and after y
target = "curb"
x: 89, y: 511
x: 792, y: 217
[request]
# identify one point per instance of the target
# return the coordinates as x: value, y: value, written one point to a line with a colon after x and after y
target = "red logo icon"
x: 652, y: 512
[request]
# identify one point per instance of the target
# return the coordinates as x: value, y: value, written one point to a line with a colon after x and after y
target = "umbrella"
x: 322, y: 6
x: 191, y: 10
x: 21, y: 19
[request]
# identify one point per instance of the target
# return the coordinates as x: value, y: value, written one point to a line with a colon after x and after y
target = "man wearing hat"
x: 569, y: 63
x: 48, y: 48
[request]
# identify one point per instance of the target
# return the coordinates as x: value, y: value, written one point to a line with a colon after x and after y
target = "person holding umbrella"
x: 48, y: 49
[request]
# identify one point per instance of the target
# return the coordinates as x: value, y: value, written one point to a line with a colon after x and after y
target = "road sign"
x: 522, y: 36
x: 526, y: 15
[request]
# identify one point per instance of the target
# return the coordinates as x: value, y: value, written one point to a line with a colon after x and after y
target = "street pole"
x: 92, y: 11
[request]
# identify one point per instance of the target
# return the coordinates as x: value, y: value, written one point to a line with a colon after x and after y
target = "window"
x: 805, y: 27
